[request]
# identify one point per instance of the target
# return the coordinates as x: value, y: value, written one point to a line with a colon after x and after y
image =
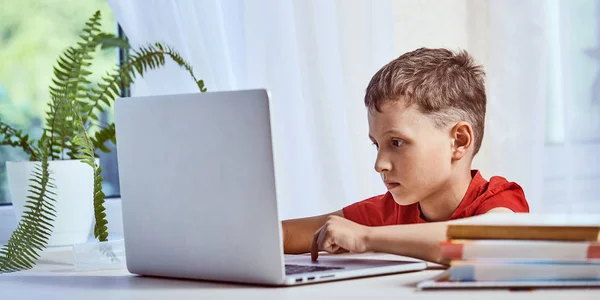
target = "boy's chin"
x: 403, y: 199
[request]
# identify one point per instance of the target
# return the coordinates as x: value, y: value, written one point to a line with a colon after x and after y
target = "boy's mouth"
x: 391, y: 185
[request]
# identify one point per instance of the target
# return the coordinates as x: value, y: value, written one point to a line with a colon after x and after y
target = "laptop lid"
x: 198, y: 187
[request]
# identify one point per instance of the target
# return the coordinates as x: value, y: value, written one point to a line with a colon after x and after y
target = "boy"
x: 426, y: 112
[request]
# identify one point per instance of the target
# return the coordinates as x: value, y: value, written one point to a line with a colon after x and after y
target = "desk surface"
x: 55, y: 278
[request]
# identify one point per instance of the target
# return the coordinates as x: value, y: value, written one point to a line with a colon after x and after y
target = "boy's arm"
x: 415, y: 240
x: 420, y: 241
x: 298, y: 233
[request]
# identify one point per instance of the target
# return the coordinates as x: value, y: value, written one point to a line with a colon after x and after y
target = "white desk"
x: 54, y: 278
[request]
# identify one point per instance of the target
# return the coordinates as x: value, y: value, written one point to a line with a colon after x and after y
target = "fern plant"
x: 35, y: 227
x: 75, y: 106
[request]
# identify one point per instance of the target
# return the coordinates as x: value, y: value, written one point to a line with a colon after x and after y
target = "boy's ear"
x: 462, y: 139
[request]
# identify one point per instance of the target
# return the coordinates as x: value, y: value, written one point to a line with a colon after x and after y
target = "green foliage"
x: 75, y: 103
x: 111, y: 41
x: 71, y: 75
x: 35, y: 226
x: 33, y: 34
x: 148, y: 57
x: 100, y: 228
x: 60, y: 128
x: 104, y: 135
x: 13, y: 137
x: 86, y: 155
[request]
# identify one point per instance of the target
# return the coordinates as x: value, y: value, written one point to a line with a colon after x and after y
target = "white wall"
x: 457, y: 25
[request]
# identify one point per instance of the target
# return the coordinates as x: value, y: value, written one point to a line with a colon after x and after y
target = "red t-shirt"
x: 481, y: 196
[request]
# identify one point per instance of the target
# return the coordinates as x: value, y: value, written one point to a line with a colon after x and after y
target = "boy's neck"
x: 441, y: 206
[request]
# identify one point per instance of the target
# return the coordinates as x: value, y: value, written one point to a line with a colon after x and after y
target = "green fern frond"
x: 35, y: 227
x: 100, y: 228
x: 15, y: 138
x: 110, y: 41
x: 84, y: 151
x: 104, y: 135
x: 60, y: 127
x: 86, y: 155
x: 176, y: 57
x: 71, y: 74
x: 149, y: 57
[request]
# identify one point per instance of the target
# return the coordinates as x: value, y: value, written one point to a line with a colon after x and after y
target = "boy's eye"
x: 397, y: 143
x: 375, y: 144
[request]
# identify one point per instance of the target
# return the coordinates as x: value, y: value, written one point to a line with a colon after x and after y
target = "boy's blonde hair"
x: 444, y: 85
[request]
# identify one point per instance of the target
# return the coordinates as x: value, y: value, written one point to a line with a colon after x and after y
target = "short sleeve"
x: 509, y: 195
x: 376, y: 211
x: 359, y: 212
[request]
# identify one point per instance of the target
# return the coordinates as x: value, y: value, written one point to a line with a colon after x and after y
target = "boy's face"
x: 414, y: 157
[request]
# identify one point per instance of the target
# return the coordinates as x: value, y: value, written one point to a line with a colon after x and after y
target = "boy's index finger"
x: 314, y: 246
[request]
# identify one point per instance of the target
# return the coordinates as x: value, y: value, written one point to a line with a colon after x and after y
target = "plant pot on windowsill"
x: 74, y: 206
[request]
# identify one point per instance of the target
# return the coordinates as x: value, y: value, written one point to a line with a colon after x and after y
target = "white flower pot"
x: 74, y: 204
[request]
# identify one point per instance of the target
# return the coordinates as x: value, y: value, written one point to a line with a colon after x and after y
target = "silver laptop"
x: 199, y: 196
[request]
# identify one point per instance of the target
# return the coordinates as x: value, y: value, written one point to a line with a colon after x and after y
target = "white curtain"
x: 316, y: 57
x: 517, y: 76
x: 544, y: 106
x: 542, y: 60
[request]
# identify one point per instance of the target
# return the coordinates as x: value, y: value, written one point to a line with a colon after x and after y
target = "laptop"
x: 199, y: 196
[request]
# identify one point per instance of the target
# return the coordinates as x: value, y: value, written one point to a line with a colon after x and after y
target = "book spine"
x: 540, y: 233
x: 450, y: 250
x: 537, y: 250
x: 473, y: 271
x: 593, y: 251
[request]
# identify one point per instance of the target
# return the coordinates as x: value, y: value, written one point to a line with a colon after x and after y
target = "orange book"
x: 522, y: 226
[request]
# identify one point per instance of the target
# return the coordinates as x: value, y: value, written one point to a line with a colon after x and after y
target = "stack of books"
x: 521, y: 250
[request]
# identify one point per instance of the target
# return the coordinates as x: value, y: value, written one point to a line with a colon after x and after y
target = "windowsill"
x: 8, y: 222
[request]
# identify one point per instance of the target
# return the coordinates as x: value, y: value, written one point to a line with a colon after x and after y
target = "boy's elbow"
x: 500, y: 210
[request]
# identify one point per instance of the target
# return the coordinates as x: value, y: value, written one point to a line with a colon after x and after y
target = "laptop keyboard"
x: 297, y: 269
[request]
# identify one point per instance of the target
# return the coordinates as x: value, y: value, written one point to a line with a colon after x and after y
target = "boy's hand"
x: 339, y: 235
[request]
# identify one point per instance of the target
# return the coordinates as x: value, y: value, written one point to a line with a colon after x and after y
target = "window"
x: 33, y: 34
x: 572, y: 165
x: 574, y: 61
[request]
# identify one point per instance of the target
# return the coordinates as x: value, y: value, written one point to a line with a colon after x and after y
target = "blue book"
x: 522, y: 270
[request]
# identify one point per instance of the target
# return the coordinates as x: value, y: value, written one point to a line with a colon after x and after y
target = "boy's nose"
x: 382, y: 164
